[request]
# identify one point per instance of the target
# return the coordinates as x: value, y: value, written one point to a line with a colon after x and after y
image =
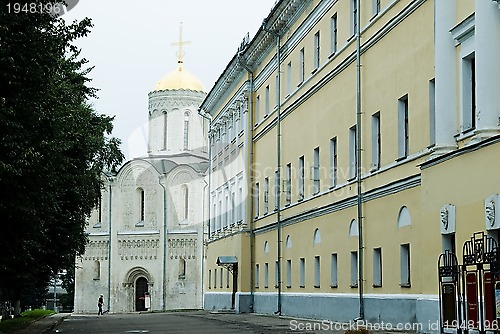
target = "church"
x: 145, y: 250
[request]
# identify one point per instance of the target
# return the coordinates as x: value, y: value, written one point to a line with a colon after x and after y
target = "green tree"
x: 53, y: 148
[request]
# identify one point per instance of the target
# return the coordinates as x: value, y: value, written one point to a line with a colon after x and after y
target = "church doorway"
x: 141, y: 288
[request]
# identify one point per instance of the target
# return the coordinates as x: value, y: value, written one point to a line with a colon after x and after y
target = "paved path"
x: 179, y: 322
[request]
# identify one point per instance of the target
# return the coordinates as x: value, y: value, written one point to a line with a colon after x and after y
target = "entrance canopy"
x: 228, y: 262
x: 222, y: 260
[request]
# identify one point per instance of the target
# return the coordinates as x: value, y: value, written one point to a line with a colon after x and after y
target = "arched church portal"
x: 141, y: 288
x: 138, y: 280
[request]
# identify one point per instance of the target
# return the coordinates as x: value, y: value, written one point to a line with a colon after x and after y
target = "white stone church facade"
x: 145, y: 250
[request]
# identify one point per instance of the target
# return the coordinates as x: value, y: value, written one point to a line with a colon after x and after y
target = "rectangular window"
x: 333, y: 42
x: 288, y: 273
x: 376, y: 143
x: 301, y: 178
x: 266, y: 275
x: 302, y: 66
x: 354, y: 269
x: 316, y: 170
x: 266, y: 195
x: 405, y: 265
x: 276, y: 274
x: 432, y: 111
x: 403, y: 127
x: 316, y: 50
x: 257, y: 109
x: 257, y: 274
x: 468, y: 94
x: 267, y: 101
x: 377, y: 267
x: 302, y: 272
x: 210, y: 279
x: 334, y: 273
x: 333, y: 162
x: 215, y: 278
x: 353, y: 167
x: 289, y: 78
x: 256, y: 200
x: 227, y: 278
x: 276, y: 190
x: 221, y: 275
x: 288, y: 184
x: 317, y: 272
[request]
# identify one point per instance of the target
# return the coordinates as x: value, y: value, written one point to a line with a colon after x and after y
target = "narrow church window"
x: 97, y: 270
x: 99, y: 207
x: 165, y: 131
x: 186, y: 131
x: 141, y: 208
x: 185, y: 197
x: 182, y: 268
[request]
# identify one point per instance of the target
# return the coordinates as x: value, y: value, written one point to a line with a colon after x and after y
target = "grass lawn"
x: 12, y: 325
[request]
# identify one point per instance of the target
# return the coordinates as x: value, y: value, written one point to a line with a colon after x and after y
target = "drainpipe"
x: 207, y: 117
x: 164, y: 288
x: 110, y: 180
x: 278, y: 149
x: 249, y: 145
x: 358, y: 161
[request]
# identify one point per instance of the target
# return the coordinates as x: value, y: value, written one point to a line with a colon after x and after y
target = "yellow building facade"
x: 368, y: 145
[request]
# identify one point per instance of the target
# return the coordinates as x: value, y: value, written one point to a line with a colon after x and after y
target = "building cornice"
x: 459, y: 152
x: 376, y: 193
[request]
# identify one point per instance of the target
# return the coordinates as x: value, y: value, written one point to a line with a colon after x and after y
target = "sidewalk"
x: 44, y: 325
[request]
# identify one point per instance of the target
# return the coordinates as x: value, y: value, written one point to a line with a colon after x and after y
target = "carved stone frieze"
x: 182, y: 248
x: 134, y: 248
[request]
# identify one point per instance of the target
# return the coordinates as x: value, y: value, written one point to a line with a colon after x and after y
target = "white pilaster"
x: 487, y: 68
x: 446, y: 77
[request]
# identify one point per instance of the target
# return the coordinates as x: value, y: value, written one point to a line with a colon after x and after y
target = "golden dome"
x: 179, y: 79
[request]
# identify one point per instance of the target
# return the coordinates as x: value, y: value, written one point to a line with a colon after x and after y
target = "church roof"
x: 179, y: 79
x: 164, y: 164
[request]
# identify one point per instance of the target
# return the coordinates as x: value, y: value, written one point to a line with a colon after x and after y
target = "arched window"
x: 182, y: 268
x: 99, y: 207
x: 142, y: 199
x: 404, y: 218
x: 186, y: 130
x: 288, y: 242
x: 97, y: 270
x: 185, y: 199
x: 316, y: 237
x: 353, y: 228
x: 165, y: 141
x: 266, y: 247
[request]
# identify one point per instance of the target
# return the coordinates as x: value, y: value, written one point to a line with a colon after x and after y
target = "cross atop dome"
x: 180, y: 43
x: 180, y: 78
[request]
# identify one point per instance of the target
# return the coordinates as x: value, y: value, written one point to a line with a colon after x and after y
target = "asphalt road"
x: 175, y: 322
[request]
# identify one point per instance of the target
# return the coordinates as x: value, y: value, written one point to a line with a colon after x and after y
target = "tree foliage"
x: 53, y: 148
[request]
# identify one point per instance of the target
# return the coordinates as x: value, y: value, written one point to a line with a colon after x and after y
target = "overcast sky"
x: 130, y: 47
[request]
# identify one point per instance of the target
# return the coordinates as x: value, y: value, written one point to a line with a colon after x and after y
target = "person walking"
x: 100, y: 302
